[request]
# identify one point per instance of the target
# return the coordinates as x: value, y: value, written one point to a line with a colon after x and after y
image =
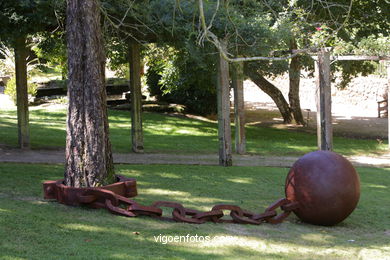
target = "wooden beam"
x: 356, y: 58
x: 360, y: 57
x: 239, y: 109
x: 21, y: 92
x: 136, y: 98
x: 388, y: 103
x: 224, y: 130
x: 324, y: 102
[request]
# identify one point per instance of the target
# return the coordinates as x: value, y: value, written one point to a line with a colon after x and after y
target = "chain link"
x: 121, y: 205
x: 216, y: 214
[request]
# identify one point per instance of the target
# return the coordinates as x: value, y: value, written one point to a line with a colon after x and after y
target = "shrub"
x: 183, y: 78
x: 10, y: 89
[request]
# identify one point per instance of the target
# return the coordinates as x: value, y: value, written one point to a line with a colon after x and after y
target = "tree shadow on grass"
x: 169, y: 134
x: 39, y: 226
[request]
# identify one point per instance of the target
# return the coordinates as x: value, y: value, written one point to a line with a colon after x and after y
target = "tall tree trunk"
x: 88, y: 150
x: 271, y: 91
x: 293, y: 95
x: 21, y: 92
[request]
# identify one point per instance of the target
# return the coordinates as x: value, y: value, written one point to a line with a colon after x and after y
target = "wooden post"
x: 224, y: 130
x: 324, y: 102
x: 21, y: 92
x: 136, y: 98
x: 239, y: 109
x: 388, y: 103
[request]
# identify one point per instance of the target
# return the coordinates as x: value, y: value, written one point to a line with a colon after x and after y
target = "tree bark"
x: 88, y: 150
x: 271, y: 91
x: 294, y: 78
x: 21, y: 54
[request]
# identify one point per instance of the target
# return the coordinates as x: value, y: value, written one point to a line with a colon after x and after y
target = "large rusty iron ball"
x: 325, y: 185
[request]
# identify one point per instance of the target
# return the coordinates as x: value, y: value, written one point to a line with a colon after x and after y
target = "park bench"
x: 116, y: 93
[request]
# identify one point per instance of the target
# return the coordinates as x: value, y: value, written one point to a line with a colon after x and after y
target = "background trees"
x: 19, y: 21
x: 250, y: 27
x: 183, y: 76
x: 185, y: 73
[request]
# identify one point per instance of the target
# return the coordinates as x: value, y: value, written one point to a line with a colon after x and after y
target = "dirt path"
x: 57, y: 157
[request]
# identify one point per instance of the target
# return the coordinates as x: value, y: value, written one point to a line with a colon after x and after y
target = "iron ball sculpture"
x: 325, y: 185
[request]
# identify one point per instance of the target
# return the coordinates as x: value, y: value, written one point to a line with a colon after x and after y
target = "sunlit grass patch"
x: 33, y: 228
x: 170, y: 134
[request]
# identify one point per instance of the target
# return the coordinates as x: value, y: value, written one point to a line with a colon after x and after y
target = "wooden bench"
x: 383, y: 108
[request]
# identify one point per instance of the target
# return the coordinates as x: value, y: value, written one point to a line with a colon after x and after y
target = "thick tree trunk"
x: 293, y: 95
x: 21, y: 92
x: 88, y: 149
x: 271, y: 91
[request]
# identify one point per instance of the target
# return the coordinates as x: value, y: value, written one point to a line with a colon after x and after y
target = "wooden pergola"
x: 324, y: 97
x: 323, y: 100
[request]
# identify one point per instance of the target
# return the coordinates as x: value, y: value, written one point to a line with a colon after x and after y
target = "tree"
x: 88, y: 150
x: 306, y: 21
x: 350, y: 29
x: 52, y: 50
x: 170, y: 77
x: 19, y: 20
x: 178, y: 29
x: 258, y: 28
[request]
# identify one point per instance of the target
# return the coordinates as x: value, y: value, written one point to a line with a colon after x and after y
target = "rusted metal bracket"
x: 125, y: 187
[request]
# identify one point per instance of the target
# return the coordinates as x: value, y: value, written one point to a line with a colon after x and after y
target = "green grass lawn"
x: 32, y: 228
x: 168, y: 134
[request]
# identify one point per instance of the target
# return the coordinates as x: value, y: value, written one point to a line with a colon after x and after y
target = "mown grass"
x: 168, y: 134
x: 32, y: 228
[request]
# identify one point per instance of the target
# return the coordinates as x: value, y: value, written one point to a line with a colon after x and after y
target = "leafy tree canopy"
x: 26, y: 17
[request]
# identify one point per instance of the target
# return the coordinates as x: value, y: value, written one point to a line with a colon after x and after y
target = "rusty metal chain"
x: 121, y: 205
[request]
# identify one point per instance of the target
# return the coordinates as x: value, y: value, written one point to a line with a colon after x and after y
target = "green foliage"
x: 51, y: 51
x: 247, y: 25
x: 27, y: 17
x: 371, y: 45
x: 183, y: 77
x: 10, y: 89
x: 117, y: 55
x: 252, y: 28
x: 369, y: 18
x: 374, y: 45
x: 159, y: 60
